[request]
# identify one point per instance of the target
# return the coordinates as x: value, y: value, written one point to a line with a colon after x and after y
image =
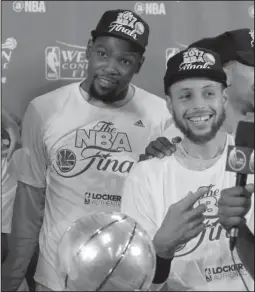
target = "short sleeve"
x: 31, y: 163
x: 136, y: 200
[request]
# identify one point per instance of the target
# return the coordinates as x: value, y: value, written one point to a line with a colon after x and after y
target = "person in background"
x: 10, y: 142
x: 176, y: 198
x: 79, y: 144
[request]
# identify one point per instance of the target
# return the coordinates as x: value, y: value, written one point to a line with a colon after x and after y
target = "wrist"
x: 163, y: 249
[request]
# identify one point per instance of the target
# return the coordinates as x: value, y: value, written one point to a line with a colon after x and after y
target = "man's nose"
x: 112, y: 67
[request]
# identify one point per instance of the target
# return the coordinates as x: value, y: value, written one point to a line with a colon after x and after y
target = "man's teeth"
x: 200, y: 119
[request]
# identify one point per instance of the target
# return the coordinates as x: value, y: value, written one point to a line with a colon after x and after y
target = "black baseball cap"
x: 123, y: 24
x: 194, y: 62
x: 234, y: 45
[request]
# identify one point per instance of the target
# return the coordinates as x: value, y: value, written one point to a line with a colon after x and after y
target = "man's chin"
x: 200, y: 138
x: 104, y: 94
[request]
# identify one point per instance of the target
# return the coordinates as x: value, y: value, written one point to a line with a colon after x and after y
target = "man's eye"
x: 125, y: 62
x: 185, y: 96
x: 101, y: 53
x: 210, y: 93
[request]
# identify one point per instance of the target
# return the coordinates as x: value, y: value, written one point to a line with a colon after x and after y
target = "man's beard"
x: 201, y: 139
x: 109, y: 97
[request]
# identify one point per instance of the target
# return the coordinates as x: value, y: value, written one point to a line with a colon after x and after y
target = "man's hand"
x: 234, y: 204
x: 182, y: 223
x: 160, y: 148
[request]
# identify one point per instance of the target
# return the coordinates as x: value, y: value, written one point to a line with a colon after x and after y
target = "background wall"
x: 33, y: 32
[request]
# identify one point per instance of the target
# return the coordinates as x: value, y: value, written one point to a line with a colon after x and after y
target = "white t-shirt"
x: 204, y: 263
x: 8, y: 193
x: 81, y: 154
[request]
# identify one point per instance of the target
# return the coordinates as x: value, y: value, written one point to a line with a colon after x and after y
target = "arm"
x: 234, y: 204
x: 27, y: 219
x: 245, y: 248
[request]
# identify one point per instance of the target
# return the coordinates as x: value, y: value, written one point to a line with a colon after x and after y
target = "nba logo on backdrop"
x: 7, y: 49
x: 29, y: 6
x: 150, y: 8
x: 170, y: 52
x: 65, y: 61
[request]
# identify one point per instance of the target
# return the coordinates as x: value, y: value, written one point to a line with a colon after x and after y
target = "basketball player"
x: 79, y: 143
x: 176, y: 198
x: 236, y: 49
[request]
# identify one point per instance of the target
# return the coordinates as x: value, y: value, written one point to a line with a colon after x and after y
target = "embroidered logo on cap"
x: 251, y: 33
x: 127, y: 23
x: 196, y: 59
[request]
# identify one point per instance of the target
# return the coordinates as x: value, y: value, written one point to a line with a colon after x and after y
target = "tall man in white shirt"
x: 176, y: 198
x: 79, y: 143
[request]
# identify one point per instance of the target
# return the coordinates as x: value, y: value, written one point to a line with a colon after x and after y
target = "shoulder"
x: 55, y: 99
x: 150, y: 170
x: 148, y: 99
x: 152, y: 106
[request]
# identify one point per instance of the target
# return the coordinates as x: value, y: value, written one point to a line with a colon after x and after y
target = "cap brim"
x: 247, y: 58
x: 215, y: 75
x: 96, y: 34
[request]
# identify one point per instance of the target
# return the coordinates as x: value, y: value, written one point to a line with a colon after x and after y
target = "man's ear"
x: 228, y: 72
x: 88, y: 49
x: 169, y: 103
x: 140, y: 64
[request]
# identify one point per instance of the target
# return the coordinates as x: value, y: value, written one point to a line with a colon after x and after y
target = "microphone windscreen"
x: 245, y: 134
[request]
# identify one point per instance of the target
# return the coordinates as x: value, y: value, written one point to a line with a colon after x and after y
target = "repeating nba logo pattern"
x: 29, y: 6
x: 196, y: 59
x: 150, y: 8
x: 65, y: 61
x: 127, y: 23
x: 7, y: 50
x: 170, y: 52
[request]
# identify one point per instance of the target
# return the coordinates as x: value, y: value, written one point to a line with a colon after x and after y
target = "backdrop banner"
x: 44, y: 42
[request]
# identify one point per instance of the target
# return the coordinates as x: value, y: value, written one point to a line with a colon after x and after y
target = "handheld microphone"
x: 240, y: 159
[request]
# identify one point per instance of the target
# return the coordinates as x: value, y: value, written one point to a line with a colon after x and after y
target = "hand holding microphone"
x: 240, y: 159
x: 234, y: 204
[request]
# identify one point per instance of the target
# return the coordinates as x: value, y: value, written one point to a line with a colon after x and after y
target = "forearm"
x: 27, y: 219
x: 245, y: 248
x: 161, y: 274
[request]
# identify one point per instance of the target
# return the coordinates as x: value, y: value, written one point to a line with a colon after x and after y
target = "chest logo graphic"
x: 101, y: 148
x: 66, y: 160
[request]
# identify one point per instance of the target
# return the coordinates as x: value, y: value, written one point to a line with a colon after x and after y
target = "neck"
x: 233, y: 117
x: 209, y: 150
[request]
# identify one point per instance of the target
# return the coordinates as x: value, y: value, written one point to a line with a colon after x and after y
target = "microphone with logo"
x: 240, y: 159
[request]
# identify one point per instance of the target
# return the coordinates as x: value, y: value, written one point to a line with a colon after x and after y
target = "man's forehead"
x: 114, y: 44
x: 197, y: 83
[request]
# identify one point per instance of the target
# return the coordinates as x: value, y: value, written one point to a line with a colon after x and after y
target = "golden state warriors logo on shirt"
x: 101, y: 148
x: 196, y: 59
x: 127, y: 23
